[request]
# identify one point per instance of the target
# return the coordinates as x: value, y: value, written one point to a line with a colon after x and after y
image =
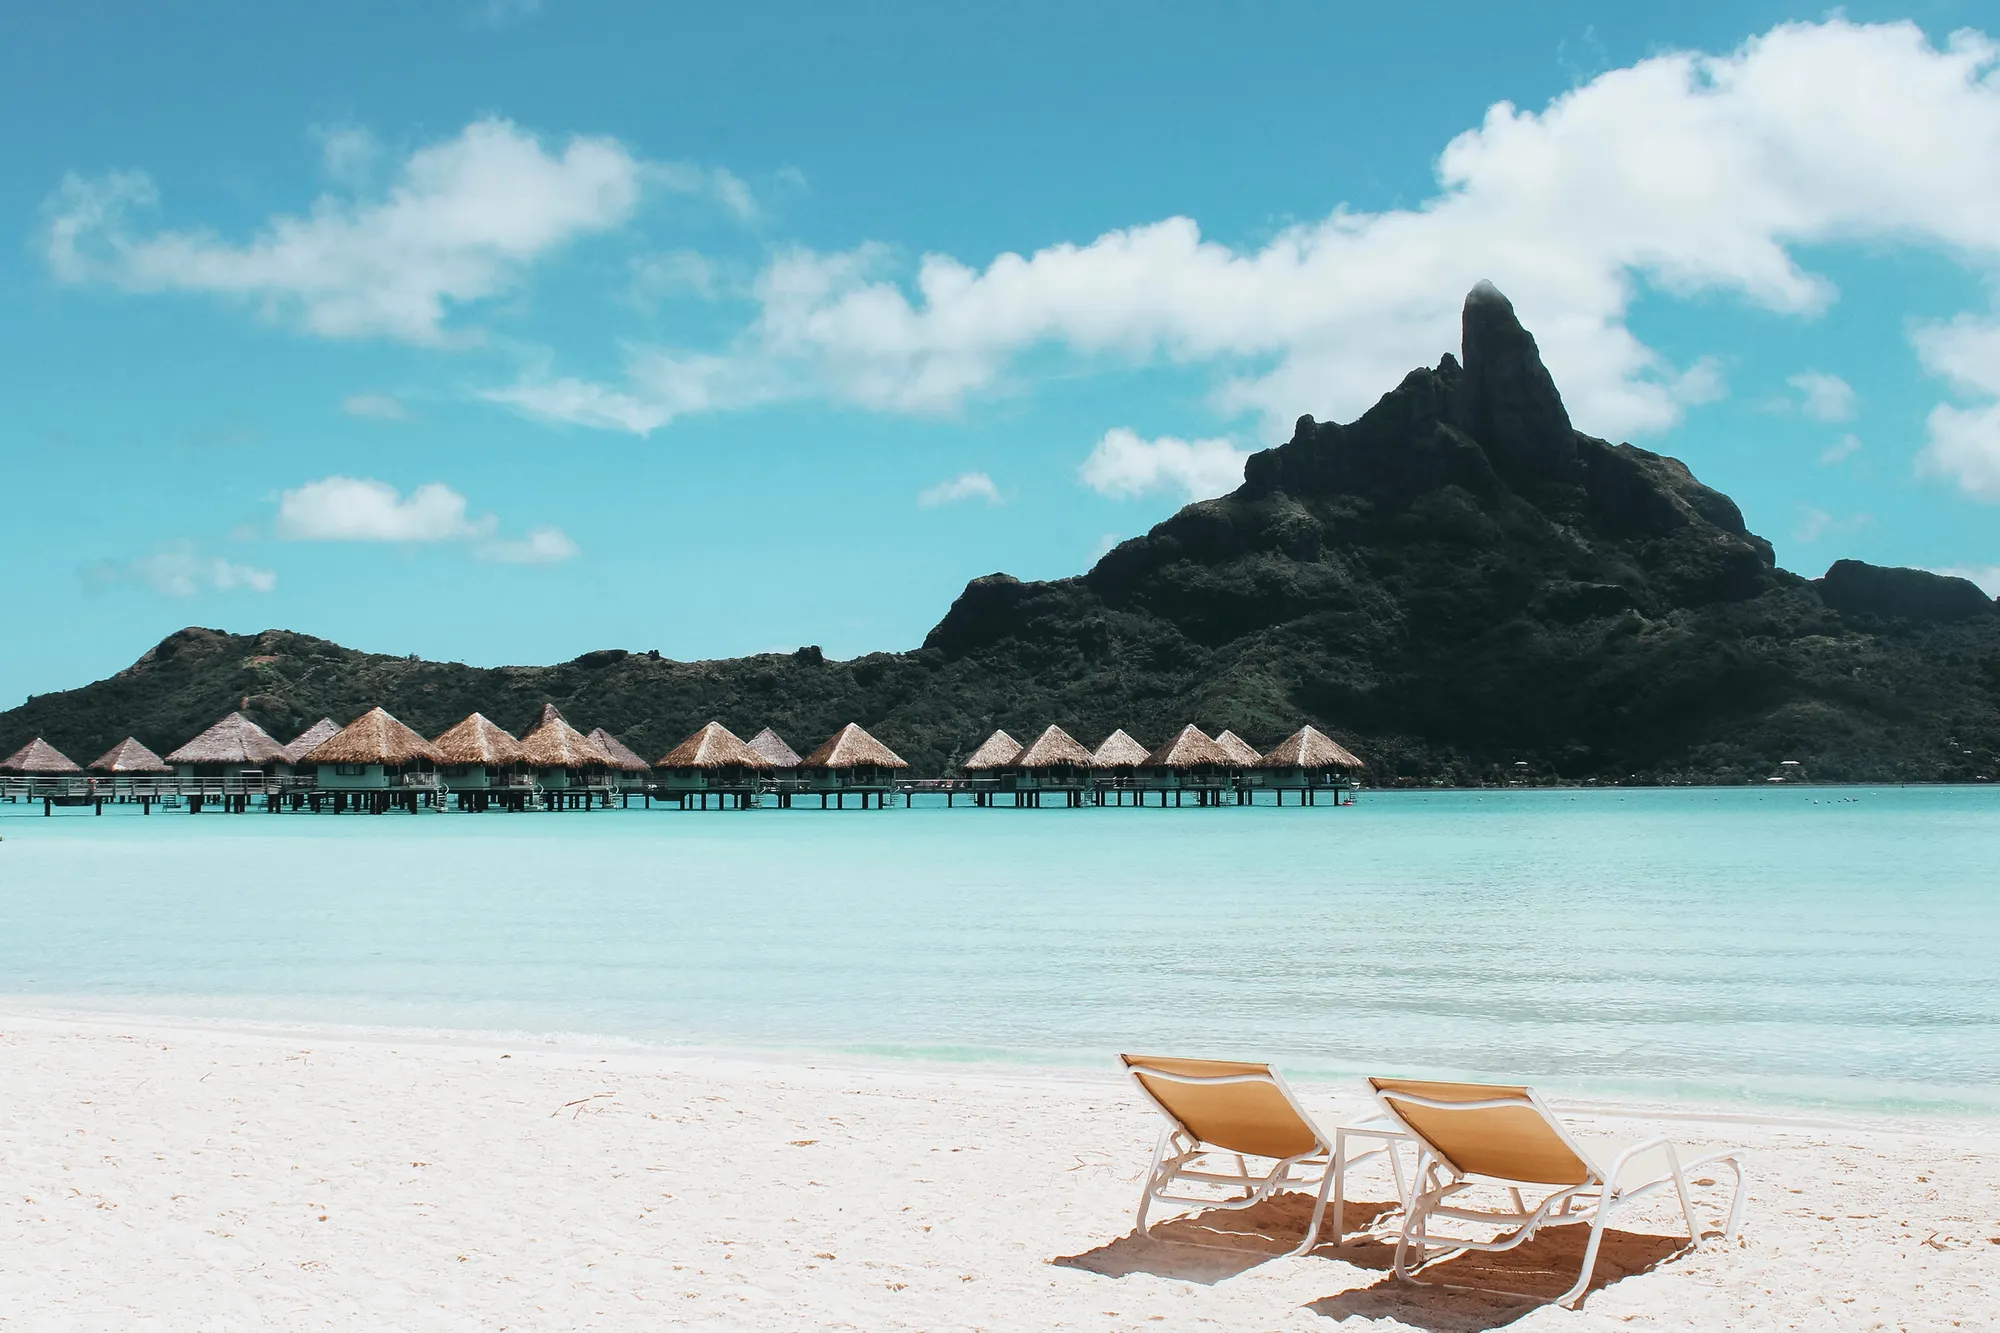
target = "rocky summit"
x: 1459, y: 585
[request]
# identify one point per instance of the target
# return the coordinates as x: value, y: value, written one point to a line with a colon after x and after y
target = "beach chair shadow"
x: 1541, y: 1270
x: 1219, y: 1243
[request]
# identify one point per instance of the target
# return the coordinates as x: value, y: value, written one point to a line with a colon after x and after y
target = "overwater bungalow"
x: 1307, y: 761
x: 303, y: 744
x: 778, y: 756
x: 851, y: 761
x: 375, y: 763
x: 992, y: 761
x: 1243, y: 757
x: 44, y: 767
x: 568, y: 765
x: 713, y: 760
x: 480, y: 761
x: 1189, y: 761
x: 1053, y: 761
x: 629, y: 773
x: 235, y: 747
x: 1114, y: 765
x: 130, y: 759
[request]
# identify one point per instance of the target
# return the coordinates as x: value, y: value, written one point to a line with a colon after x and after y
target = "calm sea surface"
x: 1800, y: 946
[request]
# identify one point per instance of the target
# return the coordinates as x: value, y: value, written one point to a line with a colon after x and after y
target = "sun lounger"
x: 1473, y: 1134
x: 1237, y: 1110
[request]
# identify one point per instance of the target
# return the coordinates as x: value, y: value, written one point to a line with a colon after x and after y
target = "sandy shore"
x: 155, y: 1176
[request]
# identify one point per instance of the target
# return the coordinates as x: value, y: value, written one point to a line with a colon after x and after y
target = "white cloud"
x: 1840, y: 450
x: 357, y: 509
x: 378, y: 406
x: 461, y: 222
x: 1686, y: 173
x: 354, y: 509
x: 541, y: 546
x: 1824, y: 397
x: 1986, y: 576
x: 966, y: 486
x: 1816, y: 523
x: 1123, y: 465
x: 1964, y: 442
x: 675, y: 274
x: 181, y: 570
x: 347, y: 153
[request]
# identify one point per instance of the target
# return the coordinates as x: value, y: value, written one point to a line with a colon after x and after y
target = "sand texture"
x: 161, y: 1176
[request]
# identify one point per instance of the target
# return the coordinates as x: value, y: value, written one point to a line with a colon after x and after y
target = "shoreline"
x: 186, y: 1176
x: 645, y: 1056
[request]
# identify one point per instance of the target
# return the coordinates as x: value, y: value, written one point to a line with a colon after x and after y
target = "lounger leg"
x: 1574, y: 1296
x: 1338, y: 1166
x: 1327, y: 1184
x: 1687, y: 1204
x: 1152, y: 1179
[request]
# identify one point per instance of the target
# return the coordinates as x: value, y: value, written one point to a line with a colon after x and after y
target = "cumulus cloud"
x: 1840, y: 450
x: 379, y: 406
x: 1124, y: 465
x: 356, y: 509
x: 966, y: 486
x: 461, y: 223
x: 1963, y: 444
x: 1824, y: 397
x: 1814, y: 524
x: 360, y: 509
x: 1685, y: 173
x: 541, y: 546
x: 180, y: 569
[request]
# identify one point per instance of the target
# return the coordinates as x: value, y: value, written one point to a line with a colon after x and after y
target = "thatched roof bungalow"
x: 309, y: 740
x: 1189, y: 758
x: 1053, y: 759
x: 478, y: 754
x: 373, y: 752
x: 712, y: 759
x: 1242, y: 754
x: 850, y: 758
x: 775, y: 752
x: 1307, y: 758
x: 561, y: 755
x: 231, y: 747
x: 39, y: 759
x: 1119, y: 755
x: 996, y: 752
x: 129, y: 759
x: 629, y: 770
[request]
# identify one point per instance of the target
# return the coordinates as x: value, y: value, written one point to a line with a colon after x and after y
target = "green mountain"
x: 1456, y: 584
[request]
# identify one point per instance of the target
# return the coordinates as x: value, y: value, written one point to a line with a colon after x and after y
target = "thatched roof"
x: 851, y: 747
x: 39, y: 759
x: 234, y: 740
x: 1188, y: 748
x: 618, y: 752
x: 478, y: 740
x: 777, y: 754
x: 714, y: 746
x: 374, y: 738
x: 997, y: 751
x: 1309, y: 747
x: 1240, y: 751
x: 1052, y: 748
x: 128, y: 756
x: 554, y: 743
x: 1118, y: 751
x: 310, y: 739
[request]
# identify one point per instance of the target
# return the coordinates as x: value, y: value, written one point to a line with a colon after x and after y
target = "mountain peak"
x: 1506, y: 398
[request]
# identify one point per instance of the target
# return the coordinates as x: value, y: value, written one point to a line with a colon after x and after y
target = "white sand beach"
x: 156, y: 1175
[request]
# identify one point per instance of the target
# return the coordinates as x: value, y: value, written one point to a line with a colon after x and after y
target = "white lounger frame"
x: 1179, y: 1157
x: 1593, y: 1201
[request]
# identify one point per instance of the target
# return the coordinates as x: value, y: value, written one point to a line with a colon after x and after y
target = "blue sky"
x: 503, y: 331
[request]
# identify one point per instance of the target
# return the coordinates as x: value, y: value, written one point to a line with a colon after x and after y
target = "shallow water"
x: 1809, y: 946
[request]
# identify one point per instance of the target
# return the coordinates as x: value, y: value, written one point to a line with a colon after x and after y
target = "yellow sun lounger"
x: 1487, y: 1134
x: 1240, y: 1110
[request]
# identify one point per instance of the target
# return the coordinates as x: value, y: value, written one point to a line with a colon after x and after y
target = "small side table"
x: 1382, y: 1131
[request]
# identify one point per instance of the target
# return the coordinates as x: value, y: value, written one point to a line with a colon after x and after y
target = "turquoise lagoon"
x: 1795, y: 946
